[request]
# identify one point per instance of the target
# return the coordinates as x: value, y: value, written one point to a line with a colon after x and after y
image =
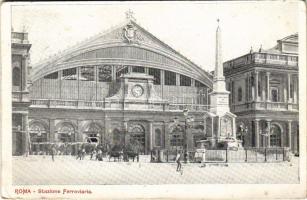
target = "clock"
x: 137, y: 91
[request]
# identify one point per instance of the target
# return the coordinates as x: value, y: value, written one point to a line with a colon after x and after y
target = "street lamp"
x: 243, y: 131
x: 186, y: 121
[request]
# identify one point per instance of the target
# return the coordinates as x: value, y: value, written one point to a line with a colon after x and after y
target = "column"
x: 284, y: 85
x: 25, y: 134
x: 162, y: 82
x: 166, y: 136
x: 256, y: 86
x: 177, y: 79
x: 289, y: 88
x: 113, y: 73
x: 51, y: 130
x: 257, y: 133
x: 269, y: 133
x: 263, y: 85
x: 24, y: 71
x: 146, y: 70
x: 289, y: 134
x: 295, y: 89
x: 268, y: 87
x: 150, y: 136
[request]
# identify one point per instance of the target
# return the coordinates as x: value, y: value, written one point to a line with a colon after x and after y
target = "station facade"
x: 121, y: 86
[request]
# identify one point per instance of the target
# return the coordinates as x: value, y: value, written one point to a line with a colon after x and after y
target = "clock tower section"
x: 137, y: 92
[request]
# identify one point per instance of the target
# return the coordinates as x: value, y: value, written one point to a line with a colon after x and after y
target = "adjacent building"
x: 264, y: 95
x: 20, y: 93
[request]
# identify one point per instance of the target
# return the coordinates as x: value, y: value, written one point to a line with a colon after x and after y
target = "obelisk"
x: 219, y: 96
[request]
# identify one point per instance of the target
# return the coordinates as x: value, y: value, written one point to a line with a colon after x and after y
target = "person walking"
x: 178, y: 157
x: 53, y: 152
x: 79, y: 154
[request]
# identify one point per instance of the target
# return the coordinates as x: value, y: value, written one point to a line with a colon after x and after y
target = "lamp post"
x: 185, y: 142
x: 243, y: 131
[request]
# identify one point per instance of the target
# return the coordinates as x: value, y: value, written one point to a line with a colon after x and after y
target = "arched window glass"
x: 275, y: 137
x: 137, y: 138
x: 66, y: 133
x: 16, y: 76
x: 38, y: 133
x: 239, y: 94
x: 158, y: 137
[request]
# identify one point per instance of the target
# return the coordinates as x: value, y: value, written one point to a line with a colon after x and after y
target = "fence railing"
x: 226, y: 155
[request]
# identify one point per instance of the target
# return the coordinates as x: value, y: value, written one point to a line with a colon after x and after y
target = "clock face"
x: 137, y: 91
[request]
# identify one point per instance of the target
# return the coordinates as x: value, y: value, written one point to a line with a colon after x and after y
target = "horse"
x: 130, y: 154
x: 115, y: 154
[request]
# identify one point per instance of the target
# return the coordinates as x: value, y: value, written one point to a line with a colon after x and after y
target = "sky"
x: 188, y: 27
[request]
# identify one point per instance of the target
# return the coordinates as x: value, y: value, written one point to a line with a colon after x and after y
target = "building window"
x: 105, y: 73
x: 70, y: 74
x: 239, y: 94
x: 170, y: 78
x: 138, y: 69
x: 274, y: 94
x: 275, y: 137
x: 176, y: 139
x: 259, y: 88
x: 291, y: 90
x: 53, y: 75
x: 158, y: 137
x: 87, y: 73
x: 121, y: 71
x: 185, y: 81
x: 16, y: 76
x: 156, y: 73
x: 199, y: 84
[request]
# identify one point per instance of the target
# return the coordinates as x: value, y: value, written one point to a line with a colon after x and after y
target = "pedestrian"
x: 99, y: 155
x: 93, y: 153
x: 178, y: 157
x: 79, y: 154
x: 83, y: 153
x: 53, y: 152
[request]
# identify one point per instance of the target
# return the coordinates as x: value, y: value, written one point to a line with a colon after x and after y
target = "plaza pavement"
x: 66, y: 170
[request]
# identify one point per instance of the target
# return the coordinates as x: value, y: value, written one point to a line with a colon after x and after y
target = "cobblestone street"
x: 38, y: 170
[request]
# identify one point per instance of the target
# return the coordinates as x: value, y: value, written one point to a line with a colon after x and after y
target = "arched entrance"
x: 92, y: 133
x: 38, y: 135
x: 66, y: 133
x: 137, y: 138
x: 275, y: 136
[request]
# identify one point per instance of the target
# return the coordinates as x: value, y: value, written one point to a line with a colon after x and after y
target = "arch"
x: 66, y: 132
x: 92, y: 133
x: 38, y: 132
x: 137, y: 137
x: 275, y: 135
x: 16, y: 76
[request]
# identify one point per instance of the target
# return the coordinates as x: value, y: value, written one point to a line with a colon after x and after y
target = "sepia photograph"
x: 154, y: 94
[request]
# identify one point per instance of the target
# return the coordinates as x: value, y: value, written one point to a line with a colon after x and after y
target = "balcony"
x: 261, y: 58
x: 20, y: 38
x: 21, y: 97
x: 116, y: 105
x: 270, y: 106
